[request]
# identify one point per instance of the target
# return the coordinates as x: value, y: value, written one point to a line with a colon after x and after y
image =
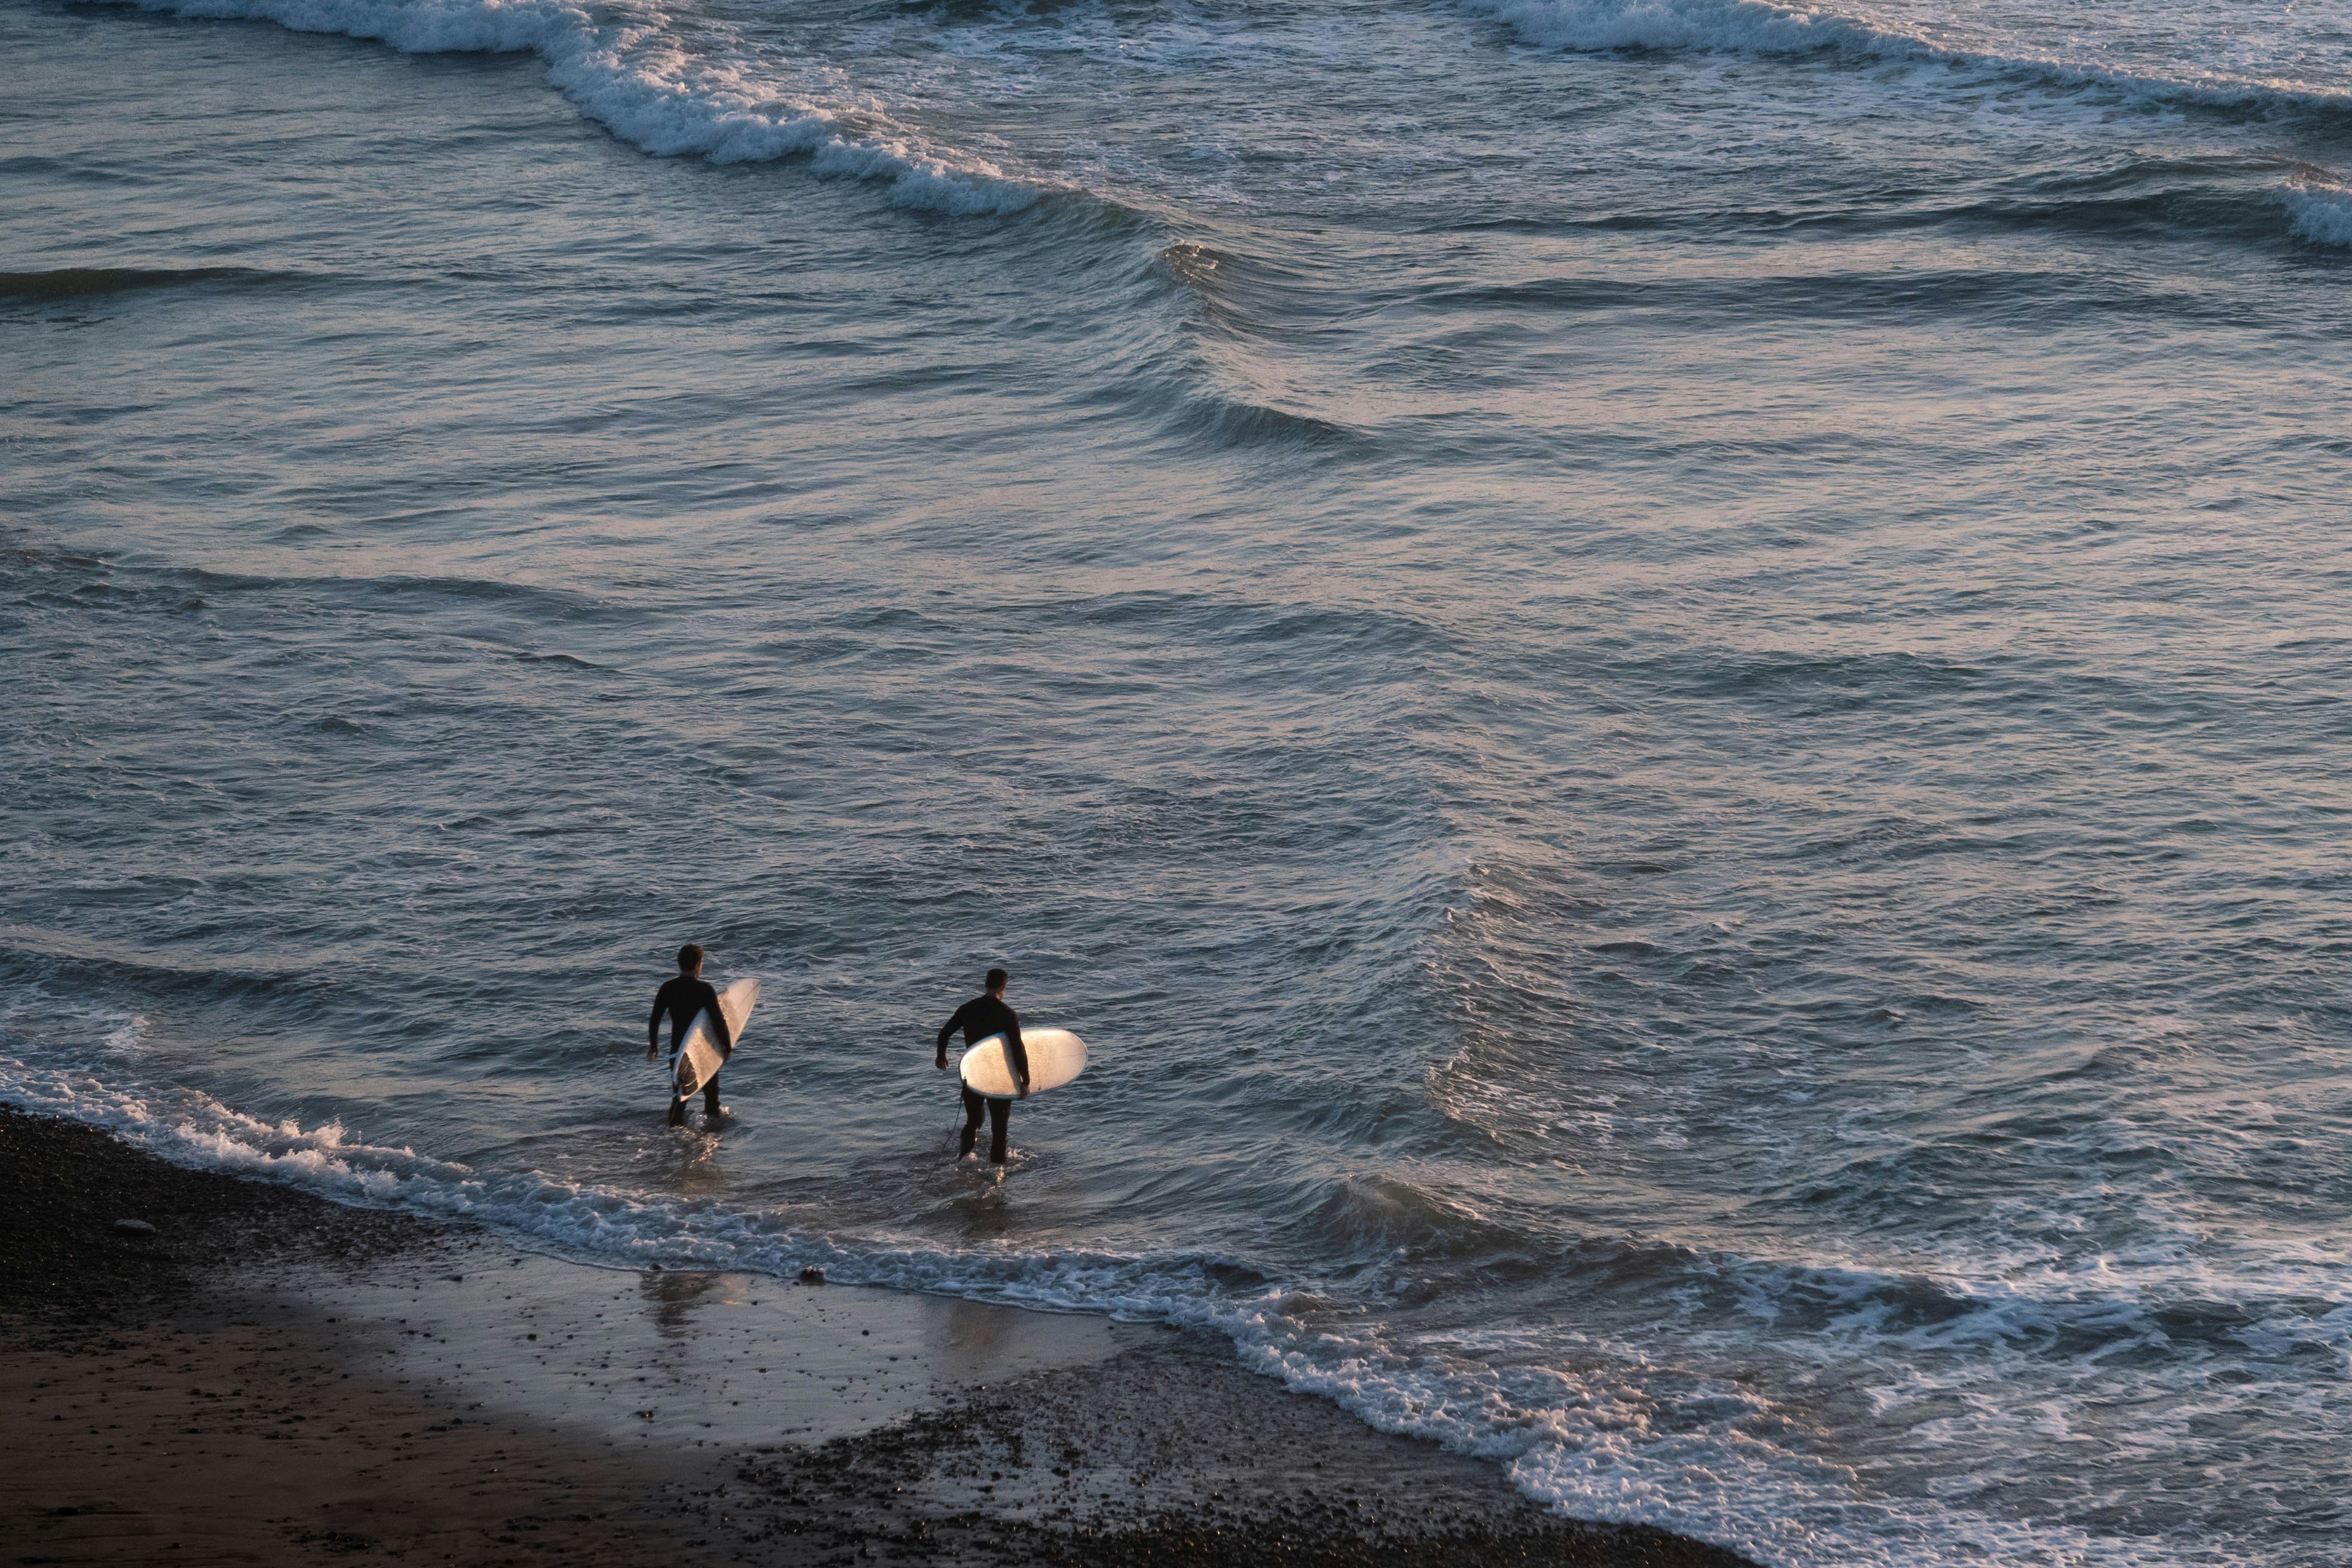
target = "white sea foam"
x: 1740, y: 24
x: 631, y: 71
x: 1605, y: 1433
x: 1762, y: 27
x: 2321, y: 213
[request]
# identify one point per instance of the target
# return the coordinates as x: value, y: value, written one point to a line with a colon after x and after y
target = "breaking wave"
x: 1762, y: 27
x: 2320, y: 214
x: 631, y: 72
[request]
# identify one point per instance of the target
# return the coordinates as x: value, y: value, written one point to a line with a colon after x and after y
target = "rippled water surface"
x: 1665, y: 681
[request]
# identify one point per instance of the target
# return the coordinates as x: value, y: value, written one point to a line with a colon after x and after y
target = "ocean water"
x: 1666, y: 681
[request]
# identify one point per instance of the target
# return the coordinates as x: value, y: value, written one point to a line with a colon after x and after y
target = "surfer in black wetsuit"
x: 682, y: 997
x: 979, y: 1018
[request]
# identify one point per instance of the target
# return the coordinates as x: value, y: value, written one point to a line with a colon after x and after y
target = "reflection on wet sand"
x: 693, y: 1356
x: 673, y: 1294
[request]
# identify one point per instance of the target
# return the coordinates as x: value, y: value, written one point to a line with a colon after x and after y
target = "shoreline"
x: 267, y: 1375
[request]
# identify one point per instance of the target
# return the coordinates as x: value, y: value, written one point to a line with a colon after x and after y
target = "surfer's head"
x: 997, y: 981
x: 690, y: 959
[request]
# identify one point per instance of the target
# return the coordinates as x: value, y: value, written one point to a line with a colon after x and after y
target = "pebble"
x: 134, y: 1226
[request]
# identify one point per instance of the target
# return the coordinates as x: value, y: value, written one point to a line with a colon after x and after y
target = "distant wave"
x: 1760, y: 28
x: 633, y: 77
x: 2264, y: 201
x: 70, y: 572
x: 85, y: 283
x: 1747, y: 26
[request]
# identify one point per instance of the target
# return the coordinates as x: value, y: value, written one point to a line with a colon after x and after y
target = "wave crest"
x: 634, y: 78
x: 1762, y: 28
x: 1751, y: 25
x: 2320, y: 214
x: 88, y: 282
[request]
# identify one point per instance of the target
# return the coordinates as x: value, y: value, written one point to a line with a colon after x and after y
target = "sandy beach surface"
x: 265, y: 1377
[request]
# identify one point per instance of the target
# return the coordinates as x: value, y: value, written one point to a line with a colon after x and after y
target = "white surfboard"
x: 700, y: 1059
x: 1055, y: 1056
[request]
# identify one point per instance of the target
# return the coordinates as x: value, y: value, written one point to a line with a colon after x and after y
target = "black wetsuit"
x: 979, y: 1018
x: 683, y: 998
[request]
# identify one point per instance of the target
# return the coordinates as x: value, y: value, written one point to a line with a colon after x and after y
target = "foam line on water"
x: 629, y: 72
x: 1762, y: 28
x: 1594, y: 1442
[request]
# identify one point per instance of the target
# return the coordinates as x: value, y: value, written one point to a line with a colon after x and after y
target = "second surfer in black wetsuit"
x: 683, y: 996
x: 979, y: 1018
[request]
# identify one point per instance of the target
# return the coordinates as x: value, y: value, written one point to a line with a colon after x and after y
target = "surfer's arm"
x: 948, y: 1029
x: 652, y: 1025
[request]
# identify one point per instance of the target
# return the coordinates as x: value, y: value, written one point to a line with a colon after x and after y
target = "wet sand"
x: 265, y: 1377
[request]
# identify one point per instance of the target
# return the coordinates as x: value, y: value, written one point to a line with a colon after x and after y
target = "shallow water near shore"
x: 1665, y: 683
